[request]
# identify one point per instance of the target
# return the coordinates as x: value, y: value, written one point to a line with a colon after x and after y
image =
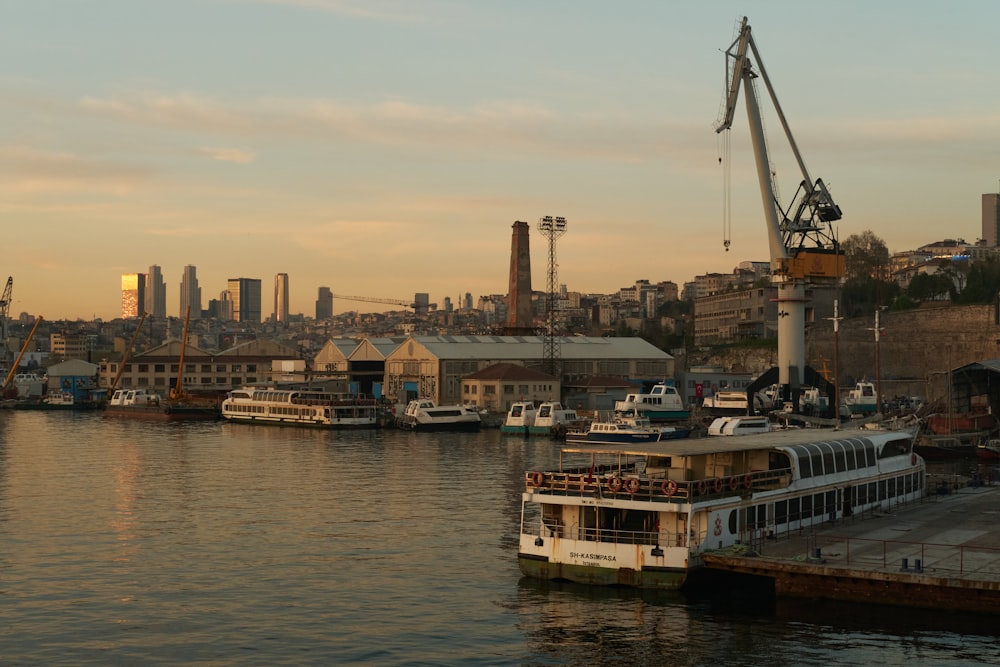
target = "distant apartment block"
x: 245, y: 296
x: 324, y: 304
x: 991, y: 219
x: 69, y: 346
x: 133, y: 294
x: 190, y: 293
x: 281, y: 297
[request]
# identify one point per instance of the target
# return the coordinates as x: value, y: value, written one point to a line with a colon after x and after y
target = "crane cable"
x: 727, y: 190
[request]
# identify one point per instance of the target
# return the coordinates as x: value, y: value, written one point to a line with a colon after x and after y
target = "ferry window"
x: 143, y: 368
x: 206, y: 368
x: 220, y: 368
x: 189, y: 368
x: 173, y: 368
x: 251, y: 368
x: 251, y: 379
x: 465, y: 389
x: 805, y: 469
x: 870, y: 454
x: 807, y: 507
x: 508, y: 389
x: 793, y: 509
x: 828, y: 466
x: 237, y: 368
x: 732, y: 522
x: 840, y: 457
x: 206, y: 380
x: 852, y: 456
x: 781, y: 512
x: 158, y: 368
x: 489, y: 389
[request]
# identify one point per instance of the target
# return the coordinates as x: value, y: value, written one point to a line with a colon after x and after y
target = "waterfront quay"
x: 941, y: 553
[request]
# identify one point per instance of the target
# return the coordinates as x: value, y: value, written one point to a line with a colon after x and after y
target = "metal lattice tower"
x: 552, y: 228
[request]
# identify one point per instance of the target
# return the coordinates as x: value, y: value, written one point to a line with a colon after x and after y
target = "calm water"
x: 214, y: 544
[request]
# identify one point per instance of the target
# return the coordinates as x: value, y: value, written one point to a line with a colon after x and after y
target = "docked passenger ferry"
x: 299, y: 407
x: 662, y: 403
x: 643, y: 515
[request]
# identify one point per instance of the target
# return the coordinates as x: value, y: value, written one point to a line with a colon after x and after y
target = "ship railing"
x: 626, y: 483
x: 551, y: 528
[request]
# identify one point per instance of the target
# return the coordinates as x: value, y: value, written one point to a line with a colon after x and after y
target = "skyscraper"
x: 281, y: 297
x: 133, y: 294
x: 991, y: 219
x: 156, y: 293
x: 245, y: 295
x: 324, y: 304
x: 190, y: 292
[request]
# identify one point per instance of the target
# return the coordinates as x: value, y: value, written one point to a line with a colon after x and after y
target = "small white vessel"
x: 662, y: 403
x: 739, y: 425
x: 424, y: 415
x: 554, y: 419
x: 520, y: 418
x: 624, y: 429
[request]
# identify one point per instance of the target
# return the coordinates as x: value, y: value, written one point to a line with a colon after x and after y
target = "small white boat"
x: 424, y: 415
x: 553, y: 419
x: 520, y: 418
x: 742, y: 425
x: 624, y: 429
x: 862, y: 400
x: 662, y: 403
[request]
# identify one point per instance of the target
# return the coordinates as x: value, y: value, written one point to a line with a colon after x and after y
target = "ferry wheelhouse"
x: 299, y: 407
x: 662, y: 403
x: 643, y: 515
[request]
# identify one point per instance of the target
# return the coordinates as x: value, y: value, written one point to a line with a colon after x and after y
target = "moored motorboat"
x: 739, y: 425
x: 424, y: 415
x: 625, y: 428
x: 555, y: 420
x: 299, y: 407
x: 520, y: 418
x: 661, y: 403
x: 642, y: 515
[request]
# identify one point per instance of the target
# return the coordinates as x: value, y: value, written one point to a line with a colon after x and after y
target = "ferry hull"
x: 665, y: 579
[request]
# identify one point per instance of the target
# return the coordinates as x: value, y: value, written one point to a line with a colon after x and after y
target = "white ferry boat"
x: 520, y: 418
x: 662, y: 403
x: 554, y: 420
x: 299, y: 407
x: 424, y: 415
x: 642, y: 515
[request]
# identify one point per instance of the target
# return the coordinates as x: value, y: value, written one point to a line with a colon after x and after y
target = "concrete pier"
x: 942, y: 553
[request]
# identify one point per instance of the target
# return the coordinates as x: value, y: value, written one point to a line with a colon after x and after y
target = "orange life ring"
x: 669, y: 487
x: 734, y: 483
x: 538, y: 479
x: 702, y: 487
x: 747, y: 481
x: 614, y: 484
x: 632, y: 484
x: 718, y: 485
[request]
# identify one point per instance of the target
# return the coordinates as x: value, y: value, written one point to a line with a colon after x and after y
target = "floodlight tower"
x: 551, y: 228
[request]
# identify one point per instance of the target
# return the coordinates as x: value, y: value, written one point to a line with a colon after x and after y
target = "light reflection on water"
x: 218, y: 544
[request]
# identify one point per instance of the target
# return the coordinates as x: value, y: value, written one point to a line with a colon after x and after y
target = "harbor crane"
x: 369, y: 299
x: 801, y: 238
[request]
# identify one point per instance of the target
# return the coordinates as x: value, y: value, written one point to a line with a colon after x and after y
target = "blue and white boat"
x: 625, y: 428
x: 662, y: 403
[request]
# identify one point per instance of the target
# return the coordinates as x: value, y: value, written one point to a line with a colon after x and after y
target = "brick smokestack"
x: 519, y: 318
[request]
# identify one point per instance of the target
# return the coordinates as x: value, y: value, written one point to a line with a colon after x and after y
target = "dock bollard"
x: 906, y: 564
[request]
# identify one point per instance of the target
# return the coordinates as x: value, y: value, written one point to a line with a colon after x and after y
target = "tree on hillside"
x: 866, y: 256
x: 982, y: 282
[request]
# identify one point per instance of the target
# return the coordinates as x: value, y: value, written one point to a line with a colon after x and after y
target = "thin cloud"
x: 372, y: 10
x: 237, y: 155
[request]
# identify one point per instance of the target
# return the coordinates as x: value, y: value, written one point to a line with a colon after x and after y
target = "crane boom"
x: 801, y: 240
x: 369, y: 299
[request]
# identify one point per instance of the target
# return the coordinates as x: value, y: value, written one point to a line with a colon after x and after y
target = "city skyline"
x: 374, y: 146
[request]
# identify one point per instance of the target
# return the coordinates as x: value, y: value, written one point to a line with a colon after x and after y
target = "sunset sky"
x: 383, y: 148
